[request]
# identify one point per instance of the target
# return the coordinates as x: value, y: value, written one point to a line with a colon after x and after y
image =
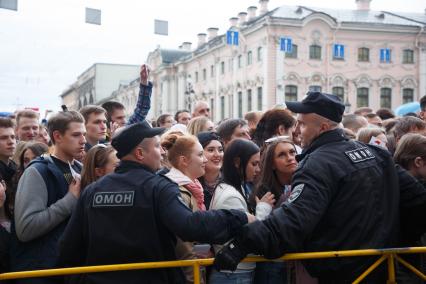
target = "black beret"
x: 326, y: 105
x: 205, y: 137
x: 132, y: 135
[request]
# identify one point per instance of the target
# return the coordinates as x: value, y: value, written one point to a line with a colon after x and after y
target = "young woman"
x: 31, y: 151
x: 100, y: 160
x: 186, y: 157
x: 240, y: 166
x: 278, y: 166
x: 200, y: 124
x: 213, y: 150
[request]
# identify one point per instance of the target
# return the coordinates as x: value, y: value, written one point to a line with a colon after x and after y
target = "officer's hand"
x: 267, y: 198
x: 75, y: 187
x: 229, y: 256
x: 250, y: 218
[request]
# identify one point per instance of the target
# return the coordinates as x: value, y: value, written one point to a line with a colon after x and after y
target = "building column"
x: 422, y: 71
x: 280, y: 86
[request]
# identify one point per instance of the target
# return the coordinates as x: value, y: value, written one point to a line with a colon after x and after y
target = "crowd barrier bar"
x: 390, y: 255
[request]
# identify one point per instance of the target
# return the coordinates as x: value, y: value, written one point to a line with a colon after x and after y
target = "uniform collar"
x: 125, y: 166
x: 334, y: 135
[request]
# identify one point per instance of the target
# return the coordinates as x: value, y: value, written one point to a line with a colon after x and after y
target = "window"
x: 240, y: 104
x: 222, y: 67
x: 363, y: 54
x: 338, y: 91
x: 315, y: 88
x: 259, y: 98
x: 385, y: 97
x: 249, y: 57
x: 407, y: 95
x: 212, y: 71
x: 290, y: 93
x: 338, y: 52
x: 293, y: 53
x: 315, y: 52
x: 240, y: 61
x: 222, y: 107
x: 385, y: 55
x: 249, y: 100
x: 204, y: 74
x: 408, y: 56
x: 259, y: 53
x: 196, y: 76
x: 231, y: 105
x: 362, y: 97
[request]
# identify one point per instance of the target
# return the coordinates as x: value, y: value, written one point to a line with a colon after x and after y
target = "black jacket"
x: 345, y: 195
x: 134, y: 215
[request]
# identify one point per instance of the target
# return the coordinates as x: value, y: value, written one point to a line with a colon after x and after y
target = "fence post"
x: 391, y: 269
x: 196, y: 268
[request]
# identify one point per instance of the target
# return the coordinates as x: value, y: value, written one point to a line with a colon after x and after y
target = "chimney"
x: 212, y: 33
x: 186, y: 46
x: 251, y: 12
x: 263, y: 6
x: 233, y: 21
x: 242, y: 18
x: 201, y: 39
x: 363, y: 5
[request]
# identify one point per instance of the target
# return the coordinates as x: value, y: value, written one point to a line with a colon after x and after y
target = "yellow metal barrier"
x: 385, y: 254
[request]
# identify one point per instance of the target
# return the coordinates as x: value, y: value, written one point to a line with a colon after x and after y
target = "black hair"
x: 243, y: 150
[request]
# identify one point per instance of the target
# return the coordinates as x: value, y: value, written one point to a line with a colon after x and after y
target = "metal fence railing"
x: 390, y: 255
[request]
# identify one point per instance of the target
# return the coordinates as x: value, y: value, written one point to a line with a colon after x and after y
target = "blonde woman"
x: 200, y: 124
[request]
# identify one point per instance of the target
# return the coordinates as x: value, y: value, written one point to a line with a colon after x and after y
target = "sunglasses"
x: 277, y: 139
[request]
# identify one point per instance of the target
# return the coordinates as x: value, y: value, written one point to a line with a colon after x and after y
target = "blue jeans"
x: 270, y: 273
x: 217, y: 277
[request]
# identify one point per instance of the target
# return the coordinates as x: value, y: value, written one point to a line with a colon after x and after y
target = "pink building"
x: 368, y: 58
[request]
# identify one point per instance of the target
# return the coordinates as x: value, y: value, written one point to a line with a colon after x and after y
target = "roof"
x: 352, y: 16
x: 170, y: 55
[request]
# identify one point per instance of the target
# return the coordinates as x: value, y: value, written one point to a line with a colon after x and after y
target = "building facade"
x: 368, y: 58
x: 98, y: 83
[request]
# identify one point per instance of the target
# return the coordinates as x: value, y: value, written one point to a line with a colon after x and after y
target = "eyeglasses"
x: 277, y: 139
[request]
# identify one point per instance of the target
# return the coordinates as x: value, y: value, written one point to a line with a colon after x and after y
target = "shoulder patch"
x: 113, y: 199
x: 295, y: 192
x: 360, y: 155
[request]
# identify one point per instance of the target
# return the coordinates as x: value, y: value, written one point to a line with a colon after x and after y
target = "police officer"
x: 134, y: 215
x: 345, y: 195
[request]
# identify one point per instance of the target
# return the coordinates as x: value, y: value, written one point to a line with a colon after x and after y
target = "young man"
x: 95, y: 123
x: 46, y: 196
x: 115, y: 113
x: 183, y: 117
x: 27, y: 125
x: 7, y: 149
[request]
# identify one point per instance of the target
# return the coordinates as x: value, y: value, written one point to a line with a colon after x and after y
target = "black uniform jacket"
x: 133, y: 215
x: 345, y: 195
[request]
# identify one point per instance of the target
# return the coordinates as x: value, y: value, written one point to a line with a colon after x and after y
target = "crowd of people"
x: 91, y: 187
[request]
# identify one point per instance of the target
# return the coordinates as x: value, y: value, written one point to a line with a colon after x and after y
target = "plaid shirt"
x: 143, y: 105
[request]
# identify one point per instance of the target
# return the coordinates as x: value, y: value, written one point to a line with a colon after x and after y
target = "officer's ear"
x: 418, y: 162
